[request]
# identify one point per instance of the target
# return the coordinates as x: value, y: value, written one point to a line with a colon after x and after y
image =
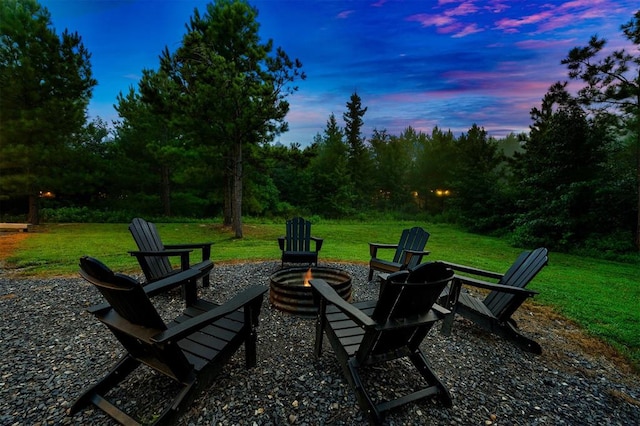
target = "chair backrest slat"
x: 147, y: 238
x: 298, y: 235
x: 411, y: 239
x: 410, y: 295
x: 132, y: 310
x: 521, y: 273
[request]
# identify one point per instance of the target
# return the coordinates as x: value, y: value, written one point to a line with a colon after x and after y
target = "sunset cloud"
x: 451, y: 63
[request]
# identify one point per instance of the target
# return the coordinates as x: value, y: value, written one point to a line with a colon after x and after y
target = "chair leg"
x: 370, y: 275
x: 365, y: 402
x: 117, y: 374
x: 510, y: 332
x: 319, y: 336
x: 422, y: 365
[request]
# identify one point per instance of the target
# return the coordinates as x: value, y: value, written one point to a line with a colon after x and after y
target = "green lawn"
x: 602, y: 296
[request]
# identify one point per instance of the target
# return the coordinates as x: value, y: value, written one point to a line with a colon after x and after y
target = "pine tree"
x: 46, y: 86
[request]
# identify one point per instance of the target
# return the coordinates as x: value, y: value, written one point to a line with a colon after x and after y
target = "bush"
x: 84, y: 215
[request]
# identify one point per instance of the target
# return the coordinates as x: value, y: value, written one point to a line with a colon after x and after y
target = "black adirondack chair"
x: 296, y: 244
x: 191, y: 350
x: 493, y: 313
x: 408, y: 252
x: 154, y: 256
x: 374, y: 332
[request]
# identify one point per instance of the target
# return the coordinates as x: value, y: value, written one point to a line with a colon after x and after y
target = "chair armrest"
x: 473, y: 271
x: 179, y: 331
x: 373, y: 248
x: 495, y: 287
x: 318, y: 241
x: 409, y: 255
x: 158, y: 287
x: 172, y: 281
x: 189, y: 245
x: 205, y: 247
x: 329, y: 294
x: 418, y: 252
x: 434, y: 314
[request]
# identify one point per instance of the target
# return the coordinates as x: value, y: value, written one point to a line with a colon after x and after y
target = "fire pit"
x: 290, y: 291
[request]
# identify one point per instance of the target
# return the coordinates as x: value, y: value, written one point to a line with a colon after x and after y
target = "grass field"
x: 601, y: 296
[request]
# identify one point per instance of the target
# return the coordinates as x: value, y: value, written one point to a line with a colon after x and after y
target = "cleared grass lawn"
x: 602, y: 296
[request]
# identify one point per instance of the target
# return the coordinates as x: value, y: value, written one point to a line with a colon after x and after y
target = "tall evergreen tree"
x: 359, y: 157
x: 557, y: 172
x: 612, y: 82
x: 331, y: 189
x: 46, y: 86
x: 233, y: 90
x: 476, y: 181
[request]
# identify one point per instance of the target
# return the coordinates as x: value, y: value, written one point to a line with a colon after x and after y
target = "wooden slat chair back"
x: 409, y: 252
x: 494, y: 312
x: 130, y: 302
x: 154, y: 256
x: 298, y: 235
x: 191, y: 350
x: 405, y: 295
x: 521, y: 273
x: 296, y: 244
x: 411, y: 239
x: 377, y: 331
x: 147, y: 238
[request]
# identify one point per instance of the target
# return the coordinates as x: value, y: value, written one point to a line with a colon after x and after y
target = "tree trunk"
x: 236, y: 203
x: 227, y: 209
x: 165, y: 190
x: 34, y: 209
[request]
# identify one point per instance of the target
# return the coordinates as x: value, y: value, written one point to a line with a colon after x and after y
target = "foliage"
x: 558, y: 173
x: 331, y: 191
x: 359, y: 158
x: 612, y: 84
x: 231, y: 88
x: 46, y: 86
x: 476, y: 182
x: 194, y: 140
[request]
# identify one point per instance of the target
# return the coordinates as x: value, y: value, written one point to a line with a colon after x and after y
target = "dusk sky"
x: 419, y: 63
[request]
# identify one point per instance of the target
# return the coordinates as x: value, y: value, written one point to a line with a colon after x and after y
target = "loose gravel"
x: 52, y: 349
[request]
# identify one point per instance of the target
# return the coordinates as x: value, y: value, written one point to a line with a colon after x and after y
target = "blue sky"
x: 419, y: 63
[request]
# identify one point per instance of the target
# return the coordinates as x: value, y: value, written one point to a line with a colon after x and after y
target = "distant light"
x: 47, y: 194
x: 442, y: 192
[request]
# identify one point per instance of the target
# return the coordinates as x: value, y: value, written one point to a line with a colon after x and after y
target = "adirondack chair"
x: 191, y: 350
x: 376, y: 331
x: 493, y: 313
x: 408, y: 252
x: 153, y: 256
x: 296, y: 244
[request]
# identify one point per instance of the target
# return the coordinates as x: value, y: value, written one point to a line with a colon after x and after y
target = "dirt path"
x: 9, y: 242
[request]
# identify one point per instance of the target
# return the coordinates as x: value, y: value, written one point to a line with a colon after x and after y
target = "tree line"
x: 195, y: 139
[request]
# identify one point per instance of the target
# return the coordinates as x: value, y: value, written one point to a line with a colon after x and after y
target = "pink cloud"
x: 467, y: 30
x: 431, y: 20
x: 497, y: 6
x: 543, y: 44
x: 465, y: 8
x: 345, y: 14
x: 446, y: 23
x: 557, y: 16
x: 379, y: 3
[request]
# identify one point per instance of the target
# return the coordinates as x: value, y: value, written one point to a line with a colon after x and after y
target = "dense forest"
x: 195, y: 141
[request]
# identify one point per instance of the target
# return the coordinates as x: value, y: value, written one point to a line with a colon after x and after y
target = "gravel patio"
x: 52, y: 349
